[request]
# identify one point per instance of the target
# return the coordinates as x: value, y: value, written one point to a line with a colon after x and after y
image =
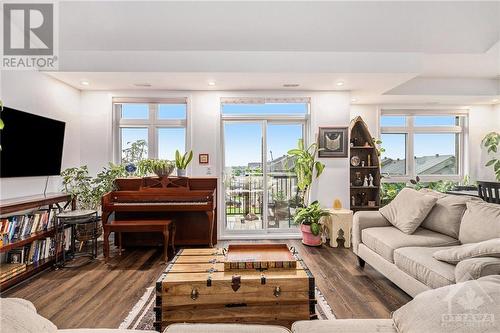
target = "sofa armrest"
x: 363, y: 220
x: 474, y: 268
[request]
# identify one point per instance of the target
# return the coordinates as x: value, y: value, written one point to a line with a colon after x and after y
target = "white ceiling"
x: 385, y: 52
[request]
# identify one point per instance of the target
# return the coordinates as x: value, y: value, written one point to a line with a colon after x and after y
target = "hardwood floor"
x: 101, y: 295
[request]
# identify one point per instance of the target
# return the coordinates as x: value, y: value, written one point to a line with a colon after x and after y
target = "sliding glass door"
x: 260, y: 189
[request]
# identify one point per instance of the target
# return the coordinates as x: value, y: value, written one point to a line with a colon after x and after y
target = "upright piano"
x: 189, y: 202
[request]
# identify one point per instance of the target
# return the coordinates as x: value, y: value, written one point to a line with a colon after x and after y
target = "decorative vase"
x: 307, y: 236
x: 181, y: 172
x: 358, y: 181
x: 337, y: 204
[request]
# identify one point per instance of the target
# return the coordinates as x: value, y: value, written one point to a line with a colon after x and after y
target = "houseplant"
x: 491, y: 141
x: 305, y: 166
x: 182, y: 161
x: 309, y: 219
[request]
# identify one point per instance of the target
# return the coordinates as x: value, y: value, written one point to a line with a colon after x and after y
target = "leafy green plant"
x: 378, y: 146
x: 87, y: 190
x: 137, y: 151
x: 311, y: 215
x: 1, y: 121
x: 388, y: 191
x: 491, y: 142
x: 159, y: 167
x: 305, y: 166
x: 182, y: 161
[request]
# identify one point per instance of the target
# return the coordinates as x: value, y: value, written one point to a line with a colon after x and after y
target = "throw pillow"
x: 466, y: 307
x: 446, y: 215
x: 481, y: 221
x: 408, y: 209
x: 19, y: 316
x: 453, y: 255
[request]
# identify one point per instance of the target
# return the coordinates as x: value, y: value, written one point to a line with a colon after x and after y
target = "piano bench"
x: 166, y: 227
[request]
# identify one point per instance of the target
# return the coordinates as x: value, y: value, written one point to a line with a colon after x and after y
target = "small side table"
x: 340, y: 219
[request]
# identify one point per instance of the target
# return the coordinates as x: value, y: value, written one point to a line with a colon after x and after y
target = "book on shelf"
x: 21, y: 226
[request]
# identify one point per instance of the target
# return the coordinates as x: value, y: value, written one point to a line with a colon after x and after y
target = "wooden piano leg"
x: 166, y: 237
x: 119, y: 234
x: 210, y: 215
x: 105, y: 249
x: 173, y: 237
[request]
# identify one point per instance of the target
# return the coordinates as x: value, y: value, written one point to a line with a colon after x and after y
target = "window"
x: 149, y: 128
x: 430, y: 145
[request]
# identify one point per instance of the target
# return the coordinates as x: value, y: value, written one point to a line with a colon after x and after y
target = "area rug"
x: 142, y: 316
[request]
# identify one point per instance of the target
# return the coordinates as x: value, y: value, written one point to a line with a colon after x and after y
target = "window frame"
x: 153, y: 123
x: 461, y: 130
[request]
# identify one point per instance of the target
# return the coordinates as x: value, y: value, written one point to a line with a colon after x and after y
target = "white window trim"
x: 410, y: 130
x: 153, y: 124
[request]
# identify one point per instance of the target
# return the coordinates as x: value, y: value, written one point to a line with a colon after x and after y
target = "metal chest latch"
x: 194, y: 294
x: 236, y: 282
x: 262, y: 279
x: 209, y: 281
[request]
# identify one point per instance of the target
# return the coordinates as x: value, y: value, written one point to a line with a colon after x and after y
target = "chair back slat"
x: 489, y: 191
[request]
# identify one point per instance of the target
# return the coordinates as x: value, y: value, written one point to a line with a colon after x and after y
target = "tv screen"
x: 31, y: 145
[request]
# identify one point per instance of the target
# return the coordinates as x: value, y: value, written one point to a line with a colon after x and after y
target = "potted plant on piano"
x: 182, y: 162
x: 309, y: 219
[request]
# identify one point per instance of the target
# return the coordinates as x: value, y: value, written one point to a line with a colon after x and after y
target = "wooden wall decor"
x: 364, y: 168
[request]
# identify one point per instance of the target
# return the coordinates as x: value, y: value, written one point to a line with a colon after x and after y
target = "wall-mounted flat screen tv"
x: 31, y: 145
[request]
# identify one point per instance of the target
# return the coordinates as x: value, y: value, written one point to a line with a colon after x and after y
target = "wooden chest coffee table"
x: 196, y: 288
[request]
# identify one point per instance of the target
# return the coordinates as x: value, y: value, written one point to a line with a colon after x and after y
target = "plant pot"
x: 181, y: 172
x: 307, y: 236
x: 128, y: 184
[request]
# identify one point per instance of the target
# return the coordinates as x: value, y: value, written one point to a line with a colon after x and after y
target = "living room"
x: 271, y: 166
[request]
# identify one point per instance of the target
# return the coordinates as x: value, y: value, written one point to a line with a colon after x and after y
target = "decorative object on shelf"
x: 333, y: 142
x: 365, y: 178
x: 355, y: 160
x: 203, y: 158
x: 310, y: 224
x: 182, y: 162
x: 358, y: 181
x: 491, y: 141
x: 371, y: 203
x: 337, y: 204
x: 305, y: 167
x: 354, y: 142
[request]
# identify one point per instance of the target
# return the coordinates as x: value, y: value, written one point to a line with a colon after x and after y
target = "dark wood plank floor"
x: 101, y: 295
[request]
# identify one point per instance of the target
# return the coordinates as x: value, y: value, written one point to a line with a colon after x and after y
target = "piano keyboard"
x: 173, y: 203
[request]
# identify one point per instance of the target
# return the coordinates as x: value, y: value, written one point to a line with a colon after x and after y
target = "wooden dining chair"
x: 489, y: 191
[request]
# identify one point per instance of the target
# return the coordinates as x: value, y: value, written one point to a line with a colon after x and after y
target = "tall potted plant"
x: 309, y: 219
x: 305, y: 166
x: 491, y: 141
x: 182, y: 161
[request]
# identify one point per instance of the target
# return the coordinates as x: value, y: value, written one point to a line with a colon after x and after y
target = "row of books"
x: 32, y: 253
x: 20, y: 226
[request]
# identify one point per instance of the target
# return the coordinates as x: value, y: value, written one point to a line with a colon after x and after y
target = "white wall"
x: 482, y: 120
x: 37, y: 93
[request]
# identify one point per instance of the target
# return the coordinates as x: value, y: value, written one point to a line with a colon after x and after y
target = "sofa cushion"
x: 474, y: 268
x: 384, y: 240
x: 408, y: 209
x: 224, y: 328
x: 344, y: 326
x: 466, y: 307
x: 481, y: 222
x: 103, y: 330
x: 489, y: 248
x: 418, y: 263
x: 19, y: 316
x: 446, y: 215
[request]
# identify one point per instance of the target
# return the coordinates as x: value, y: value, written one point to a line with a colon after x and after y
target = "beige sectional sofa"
x: 407, y: 259
x: 432, y: 311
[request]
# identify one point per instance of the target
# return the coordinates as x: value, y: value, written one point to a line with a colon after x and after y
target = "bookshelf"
x: 362, y: 146
x: 8, y: 207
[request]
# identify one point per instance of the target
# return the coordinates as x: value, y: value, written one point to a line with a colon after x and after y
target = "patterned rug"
x: 142, y: 316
